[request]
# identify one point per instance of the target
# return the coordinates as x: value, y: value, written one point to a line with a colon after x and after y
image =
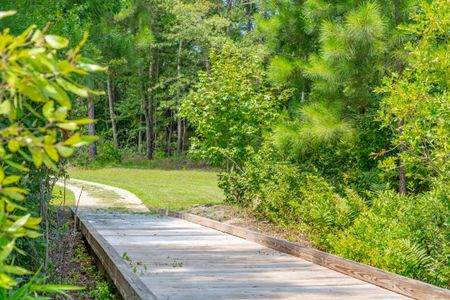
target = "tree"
x: 418, y: 99
x: 230, y: 107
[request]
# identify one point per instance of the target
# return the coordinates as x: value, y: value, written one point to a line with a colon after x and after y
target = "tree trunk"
x: 140, y: 131
x: 149, y: 121
x: 169, y: 134
x: 148, y: 132
x: 250, y: 11
x: 111, y: 112
x: 91, y: 127
x: 155, y: 119
x: 179, y: 122
x: 401, y: 166
x: 183, y: 147
x: 397, y: 15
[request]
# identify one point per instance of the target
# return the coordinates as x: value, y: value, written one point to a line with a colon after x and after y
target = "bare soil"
x: 245, y: 218
x: 71, y: 264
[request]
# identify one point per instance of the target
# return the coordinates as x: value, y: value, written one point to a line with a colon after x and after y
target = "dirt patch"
x: 245, y: 218
x: 100, y: 197
x: 71, y: 263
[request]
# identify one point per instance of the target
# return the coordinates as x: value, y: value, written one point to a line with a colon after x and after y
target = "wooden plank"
x: 127, y: 283
x: 275, y: 292
x: 396, y: 283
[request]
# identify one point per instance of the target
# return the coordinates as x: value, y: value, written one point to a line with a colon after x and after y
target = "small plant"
x: 103, y: 291
x: 134, y: 264
x: 177, y: 264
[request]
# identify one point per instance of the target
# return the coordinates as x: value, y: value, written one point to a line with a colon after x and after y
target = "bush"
x: 405, y: 235
x: 107, y: 153
x: 282, y: 193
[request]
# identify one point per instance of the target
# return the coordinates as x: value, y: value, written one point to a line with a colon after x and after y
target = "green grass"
x: 58, y: 196
x: 171, y: 189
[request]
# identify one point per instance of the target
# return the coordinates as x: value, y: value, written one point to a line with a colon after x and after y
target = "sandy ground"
x: 93, y: 196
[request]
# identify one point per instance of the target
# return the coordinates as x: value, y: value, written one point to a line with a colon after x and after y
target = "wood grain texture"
x: 127, y: 283
x: 393, y: 282
x: 185, y: 260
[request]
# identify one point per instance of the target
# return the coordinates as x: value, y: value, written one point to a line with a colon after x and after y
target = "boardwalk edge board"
x: 127, y: 283
x: 387, y: 280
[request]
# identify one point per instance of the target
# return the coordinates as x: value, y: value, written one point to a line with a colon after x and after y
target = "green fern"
x: 416, y: 255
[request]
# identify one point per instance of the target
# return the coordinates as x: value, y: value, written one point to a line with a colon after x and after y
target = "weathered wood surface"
x: 129, y: 285
x: 402, y: 285
x: 177, y: 259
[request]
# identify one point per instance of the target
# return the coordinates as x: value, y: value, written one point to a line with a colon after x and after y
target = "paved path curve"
x: 177, y: 259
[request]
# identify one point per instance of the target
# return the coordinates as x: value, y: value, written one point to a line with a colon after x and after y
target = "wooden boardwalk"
x: 155, y: 257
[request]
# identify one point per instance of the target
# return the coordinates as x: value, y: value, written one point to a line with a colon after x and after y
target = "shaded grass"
x: 58, y: 196
x: 171, y: 189
x: 173, y: 163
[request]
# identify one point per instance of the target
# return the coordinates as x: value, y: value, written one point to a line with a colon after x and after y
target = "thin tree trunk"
x: 91, y: 127
x: 140, y: 131
x: 155, y: 119
x: 169, y: 135
x: 183, y: 148
x: 149, y: 114
x: 250, y: 10
x: 148, y: 133
x: 111, y: 112
x: 401, y: 166
x: 397, y: 15
x: 179, y: 123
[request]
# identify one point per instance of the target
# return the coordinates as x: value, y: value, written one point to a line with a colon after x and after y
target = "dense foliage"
x: 36, y: 132
x: 230, y: 108
x: 330, y: 166
x: 329, y: 117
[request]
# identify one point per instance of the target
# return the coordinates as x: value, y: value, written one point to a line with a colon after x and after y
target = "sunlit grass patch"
x: 172, y: 189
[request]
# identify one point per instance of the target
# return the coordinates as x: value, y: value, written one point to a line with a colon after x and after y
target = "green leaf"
x: 6, y: 282
x: 68, y: 125
x: 83, y: 121
x: 13, y: 145
x: 17, y: 166
x: 18, y: 224
x: 7, y: 13
x: 33, y: 93
x: 92, y: 67
x: 5, y: 108
x: 58, y: 94
x: 55, y: 288
x: 49, y: 163
x: 10, y: 179
x: 48, y: 109
x: 7, y: 250
x: 37, y: 157
x: 13, y: 195
x: 51, y: 152
x: 73, y: 139
x: 64, y: 151
x: 56, y: 41
x: 16, y: 270
x: 68, y: 86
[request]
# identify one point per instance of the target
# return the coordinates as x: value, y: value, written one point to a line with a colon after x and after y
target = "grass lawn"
x: 171, y: 189
x: 58, y: 197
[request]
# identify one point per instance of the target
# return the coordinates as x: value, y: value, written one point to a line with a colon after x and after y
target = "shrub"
x: 405, y: 235
x: 282, y: 193
x: 35, y: 133
x: 108, y: 154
